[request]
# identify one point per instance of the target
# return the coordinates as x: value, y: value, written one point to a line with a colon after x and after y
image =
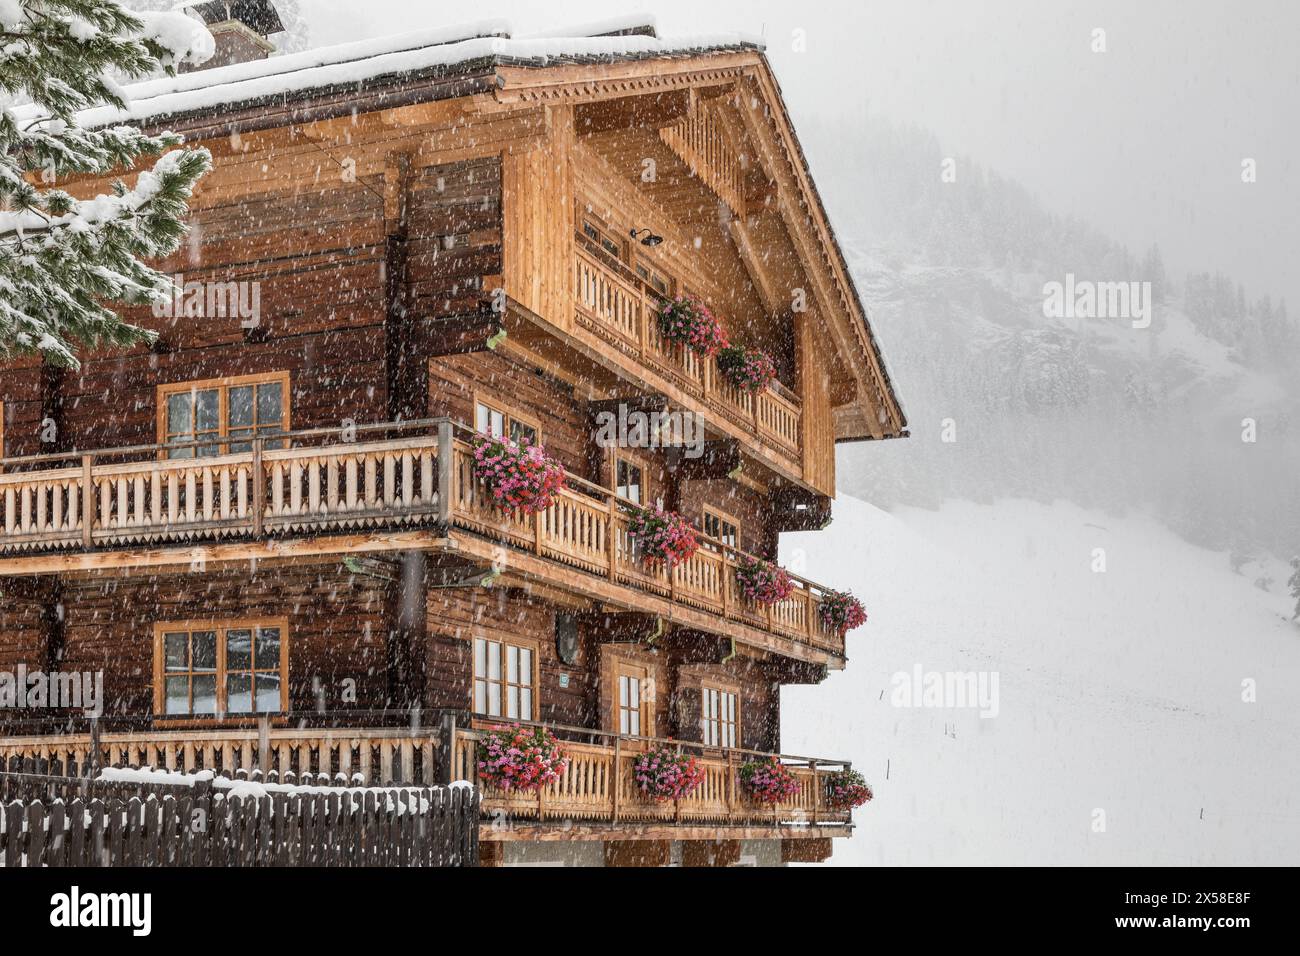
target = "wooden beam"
x: 631, y: 112
x: 564, y: 830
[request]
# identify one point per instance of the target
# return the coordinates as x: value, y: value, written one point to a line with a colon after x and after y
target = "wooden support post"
x: 259, y: 488
x: 446, y: 466
x: 87, y: 501
x: 615, y: 776
x: 817, y: 788
x: 447, y: 749
x: 611, y: 544
x: 263, y: 743
x: 94, y: 757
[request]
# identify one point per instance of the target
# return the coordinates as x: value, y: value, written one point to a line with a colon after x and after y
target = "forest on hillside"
x: 1195, y: 420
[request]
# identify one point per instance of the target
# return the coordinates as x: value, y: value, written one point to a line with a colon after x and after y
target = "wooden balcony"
x: 598, y: 788
x: 55, y: 515
x: 617, y: 305
x: 596, y: 794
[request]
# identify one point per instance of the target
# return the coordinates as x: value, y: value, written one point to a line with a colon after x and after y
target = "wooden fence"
x: 50, y: 820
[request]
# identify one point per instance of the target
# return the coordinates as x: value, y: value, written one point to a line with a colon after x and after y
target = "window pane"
x: 634, y: 722
x: 239, y: 693
x: 205, y: 694
x: 240, y: 411
x: 239, y: 650
x: 494, y: 700
x: 526, y: 704
x: 204, y: 645
x: 525, y: 666
x: 178, y: 695
x: 480, y: 697
x: 270, y: 401
x: 494, y: 660
x: 480, y: 657
x: 178, y: 414
x: 512, y: 663
x: 177, y: 651
x: 512, y: 702
x: 268, y: 693
x: 206, y: 407
x: 237, y: 447
x: 267, y: 654
x: 519, y: 432
x: 635, y: 696
x: 481, y: 417
x: 623, y: 721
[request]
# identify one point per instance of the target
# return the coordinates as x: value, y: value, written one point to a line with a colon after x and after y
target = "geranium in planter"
x: 763, y: 582
x: 840, y: 611
x: 750, y: 370
x: 687, y: 321
x: 519, y: 476
x: 665, y: 774
x: 662, y: 536
x: 768, y: 781
x: 846, y: 789
x: 517, y: 758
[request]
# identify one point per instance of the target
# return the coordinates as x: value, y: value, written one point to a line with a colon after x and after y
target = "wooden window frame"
x: 647, y: 705
x: 645, y: 262
x: 223, y: 386
x: 508, y: 413
x: 708, y: 511
x: 530, y: 644
x: 602, y: 226
x: 721, y: 687
x: 221, y: 626
x: 633, y: 461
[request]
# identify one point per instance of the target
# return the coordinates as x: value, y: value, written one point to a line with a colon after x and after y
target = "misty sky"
x: 1145, y: 141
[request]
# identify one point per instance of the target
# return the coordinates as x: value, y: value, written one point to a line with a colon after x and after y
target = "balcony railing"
x: 341, y: 487
x: 596, y: 787
x: 619, y: 306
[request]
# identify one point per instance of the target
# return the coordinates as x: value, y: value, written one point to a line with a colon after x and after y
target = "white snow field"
x: 1119, y: 692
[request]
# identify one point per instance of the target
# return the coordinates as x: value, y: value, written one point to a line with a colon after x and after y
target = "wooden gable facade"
x: 265, y: 532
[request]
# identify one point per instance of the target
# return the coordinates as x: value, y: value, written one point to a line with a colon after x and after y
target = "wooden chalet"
x: 265, y: 530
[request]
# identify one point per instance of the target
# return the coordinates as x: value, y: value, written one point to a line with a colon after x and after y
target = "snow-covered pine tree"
x: 64, y: 261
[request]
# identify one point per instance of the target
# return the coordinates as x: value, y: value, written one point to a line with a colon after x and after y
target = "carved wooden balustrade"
x: 291, y: 484
x: 598, y: 785
x: 619, y: 306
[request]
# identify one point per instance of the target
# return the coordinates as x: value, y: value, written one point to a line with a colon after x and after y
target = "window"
x: 654, y: 278
x: 217, y: 670
x: 628, y: 480
x: 494, y: 421
x: 632, y: 702
x: 601, y: 237
x: 504, y: 679
x: 719, y: 717
x: 722, y: 527
x: 233, y: 408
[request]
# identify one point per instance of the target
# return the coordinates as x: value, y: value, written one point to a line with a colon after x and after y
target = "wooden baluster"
x: 259, y: 488
x: 87, y: 500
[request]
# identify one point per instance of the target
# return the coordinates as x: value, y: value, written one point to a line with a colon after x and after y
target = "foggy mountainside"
x: 1088, y: 410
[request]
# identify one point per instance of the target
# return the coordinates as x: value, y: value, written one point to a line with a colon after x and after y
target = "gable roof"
x: 414, y: 67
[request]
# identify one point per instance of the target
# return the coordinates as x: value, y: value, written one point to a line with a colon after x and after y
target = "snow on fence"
x: 146, y: 817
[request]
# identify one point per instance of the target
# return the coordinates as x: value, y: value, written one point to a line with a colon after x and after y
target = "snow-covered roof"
x: 399, y: 56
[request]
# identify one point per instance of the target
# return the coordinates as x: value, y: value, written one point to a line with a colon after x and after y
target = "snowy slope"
x: 1120, y: 691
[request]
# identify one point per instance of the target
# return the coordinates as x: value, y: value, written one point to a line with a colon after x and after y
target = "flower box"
x: 846, y: 789
x: 749, y: 370
x: 519, y: 476
x: 662, y: 537
x: 688, y: 322
x: 763, y: 582
x: 664, y: 774
x: 840, y: 611
x: 518, y: 758
x: 768, y: 781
